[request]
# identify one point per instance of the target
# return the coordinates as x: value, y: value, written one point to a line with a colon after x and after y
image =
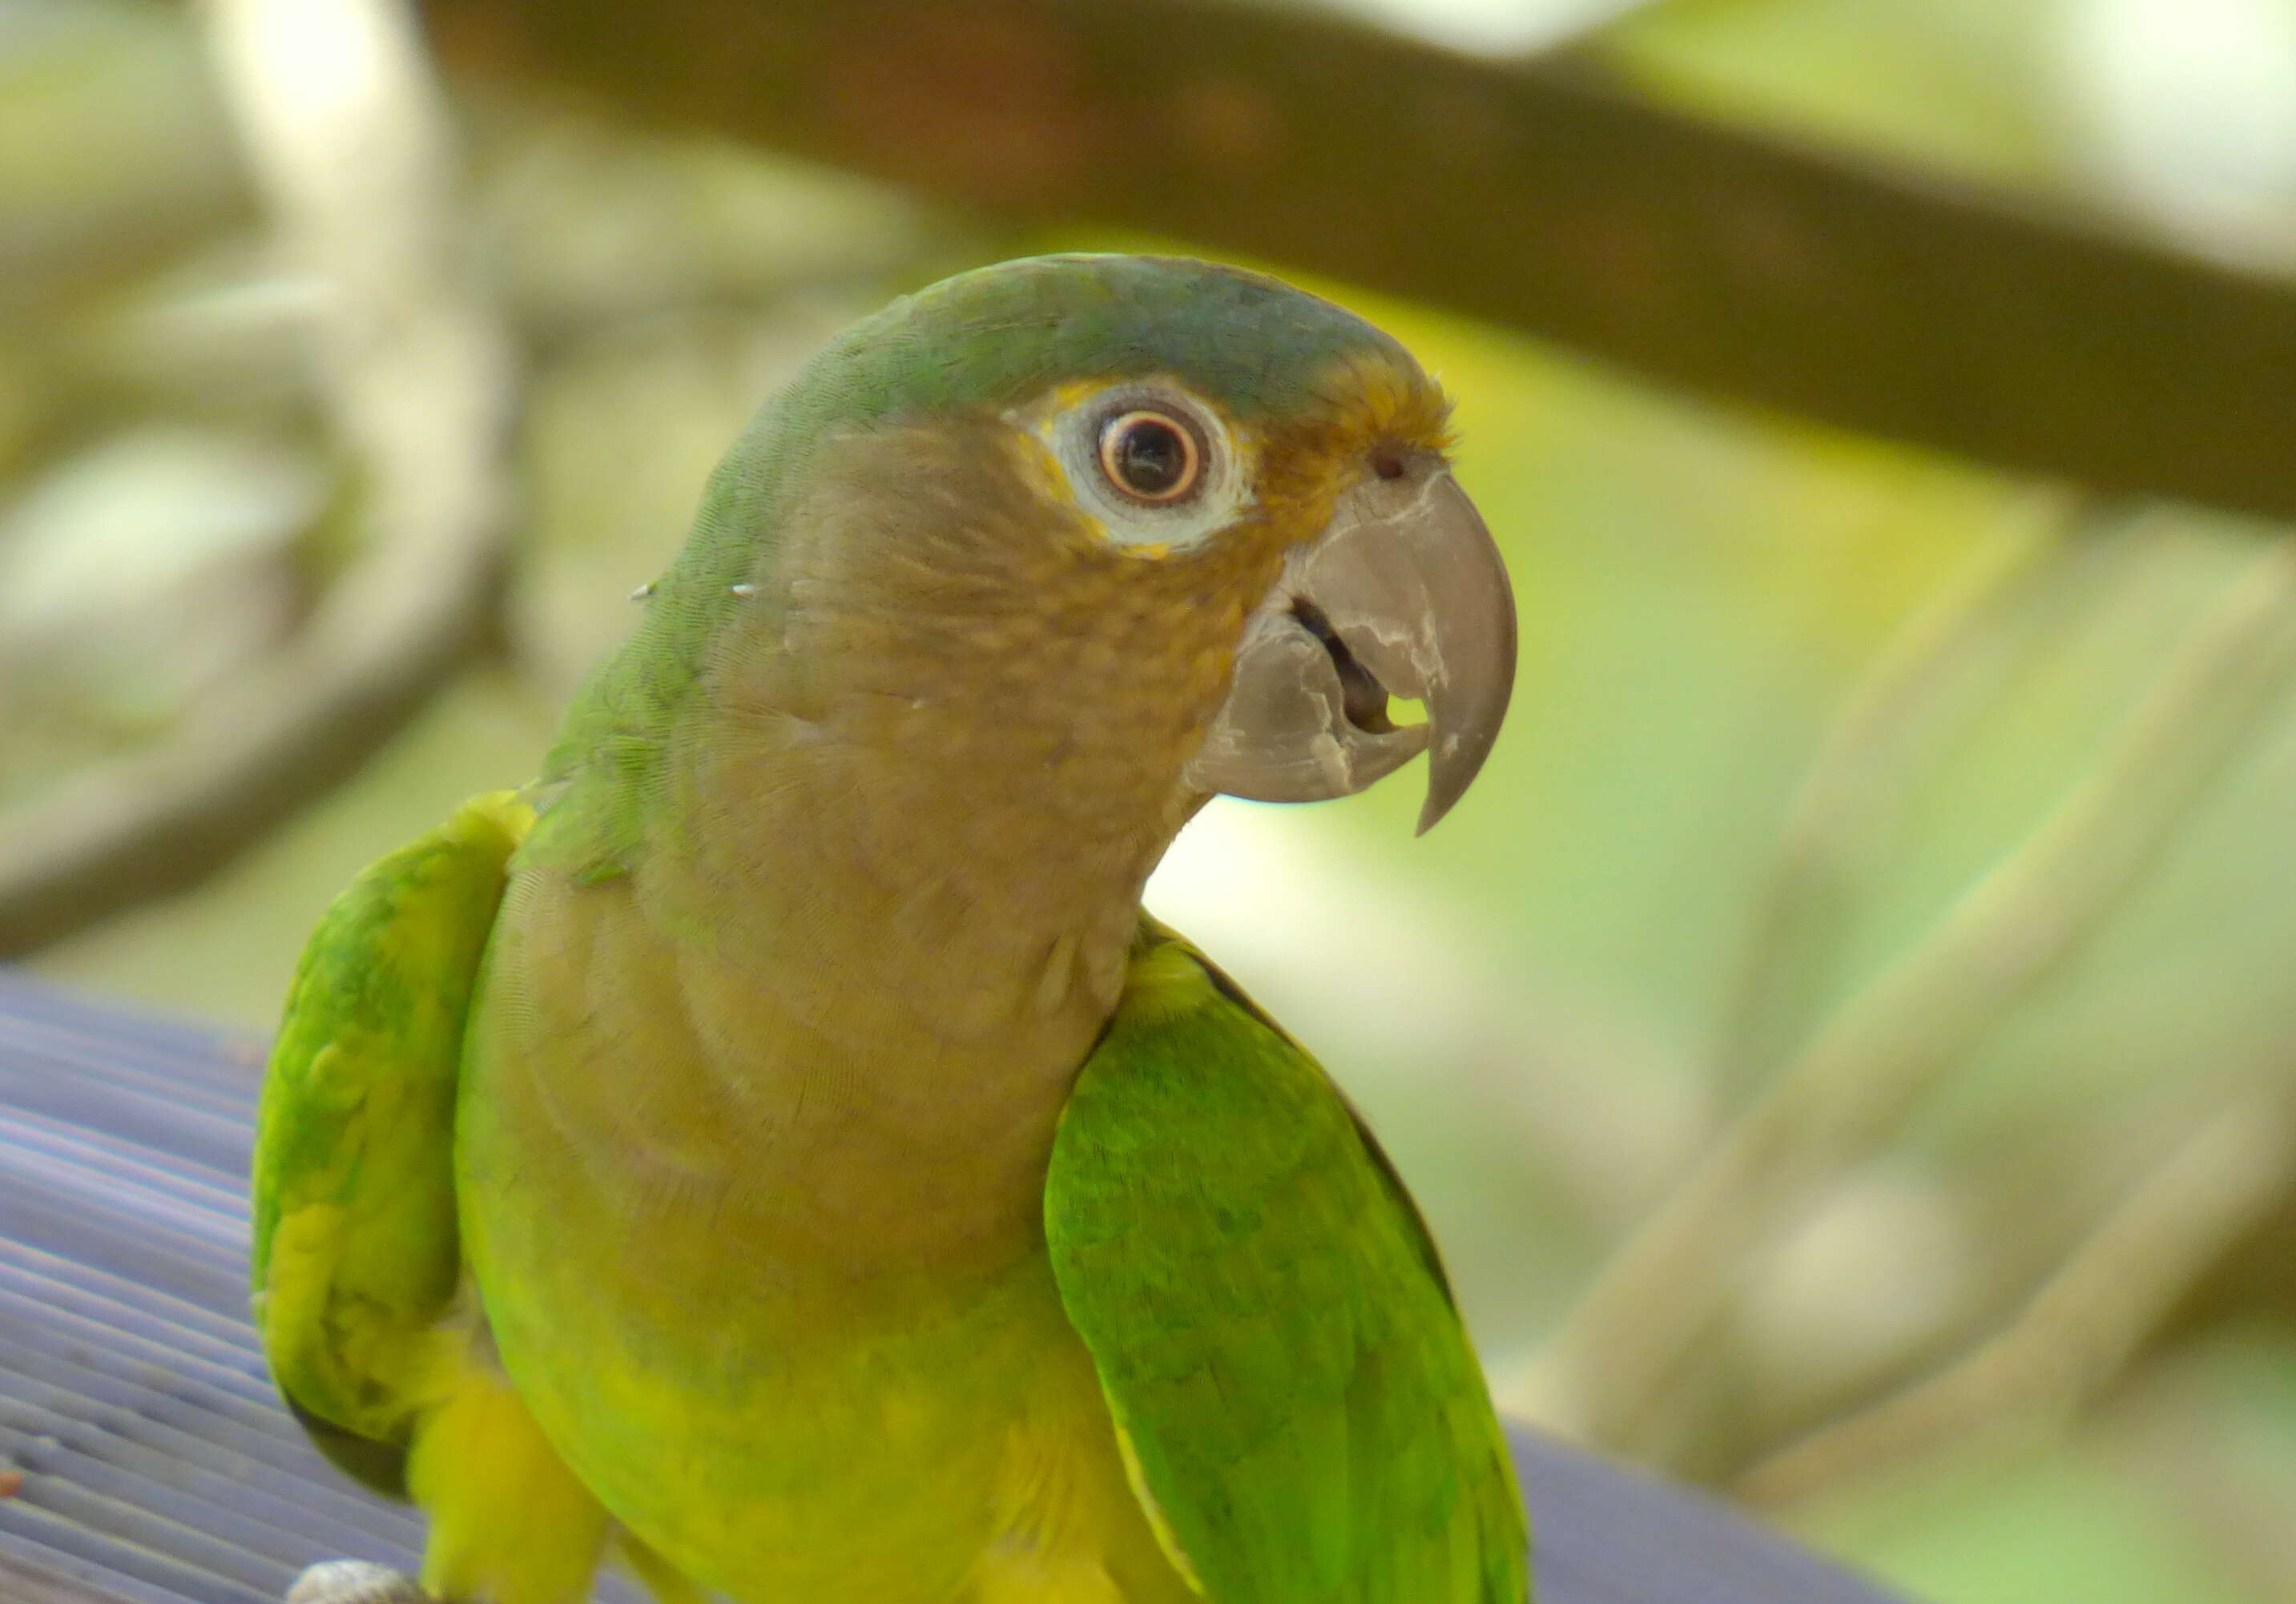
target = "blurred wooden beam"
x: 1715, y: 261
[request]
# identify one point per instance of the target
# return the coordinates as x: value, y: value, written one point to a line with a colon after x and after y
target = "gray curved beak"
x: 1403, y: 594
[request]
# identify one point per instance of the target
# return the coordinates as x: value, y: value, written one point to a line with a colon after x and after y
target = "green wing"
x: 1302, y: 1414
x: 356, y: 1253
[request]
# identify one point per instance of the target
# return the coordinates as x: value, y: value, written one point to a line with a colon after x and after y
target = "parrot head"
x: 1255, y: 428
x: 1028, y: 566
x: 1291, y: 459
x: 1178, y: 500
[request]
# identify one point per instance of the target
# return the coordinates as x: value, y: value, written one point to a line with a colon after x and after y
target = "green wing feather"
x: 1303, y: 1412
x: 357, y: 1255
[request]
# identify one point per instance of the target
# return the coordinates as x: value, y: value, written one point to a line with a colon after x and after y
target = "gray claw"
x: 354, y: 1582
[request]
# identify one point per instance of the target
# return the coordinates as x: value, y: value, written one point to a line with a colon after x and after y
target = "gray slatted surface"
x: 157, y: 1467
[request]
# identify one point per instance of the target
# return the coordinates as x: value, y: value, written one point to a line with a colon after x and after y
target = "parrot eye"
x: 1152, y: 468
x: 1151, y: 457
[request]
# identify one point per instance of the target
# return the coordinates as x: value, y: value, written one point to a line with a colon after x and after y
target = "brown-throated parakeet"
x: 775, y: 1147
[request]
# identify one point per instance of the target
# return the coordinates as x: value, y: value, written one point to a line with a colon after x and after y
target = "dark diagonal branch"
x: 1712, y: 260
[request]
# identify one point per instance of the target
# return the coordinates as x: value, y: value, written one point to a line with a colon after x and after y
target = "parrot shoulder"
x: 355, y: 1250
x: 1299, y: 1408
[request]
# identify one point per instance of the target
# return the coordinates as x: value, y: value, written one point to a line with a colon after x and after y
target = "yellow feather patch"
x: 509, y: 1524
x: 1041, y: 471
x: 1162, y: 983
x: 1378, y: 400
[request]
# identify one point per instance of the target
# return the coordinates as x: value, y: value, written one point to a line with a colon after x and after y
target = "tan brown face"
x: 1403, y: 594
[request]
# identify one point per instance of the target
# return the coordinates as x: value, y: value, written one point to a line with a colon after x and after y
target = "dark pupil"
x: 1151, y: 457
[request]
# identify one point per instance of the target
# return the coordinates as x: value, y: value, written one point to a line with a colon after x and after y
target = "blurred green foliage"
x: 1529, y: 1003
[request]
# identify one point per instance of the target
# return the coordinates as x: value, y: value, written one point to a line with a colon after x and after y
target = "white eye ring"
x: 1206, y: 491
